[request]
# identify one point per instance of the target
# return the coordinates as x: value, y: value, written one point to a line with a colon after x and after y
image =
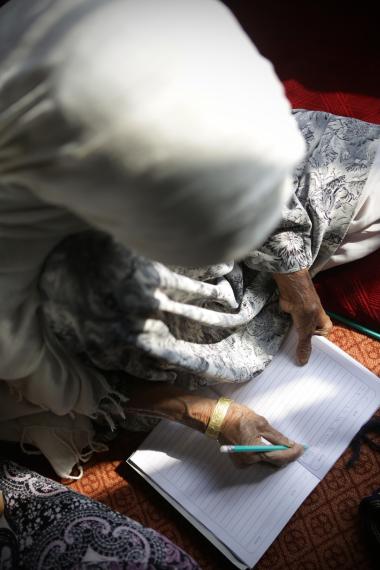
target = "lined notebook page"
x: 243, y: 509
x: 322, y: 404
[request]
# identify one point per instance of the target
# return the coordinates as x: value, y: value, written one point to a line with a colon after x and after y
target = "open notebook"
x: 242, y: 511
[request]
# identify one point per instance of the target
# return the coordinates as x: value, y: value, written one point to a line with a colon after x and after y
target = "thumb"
x: 304, y: 349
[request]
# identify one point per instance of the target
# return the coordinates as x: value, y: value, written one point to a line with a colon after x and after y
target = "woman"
x: 153, y: 145
x: 175, y: 150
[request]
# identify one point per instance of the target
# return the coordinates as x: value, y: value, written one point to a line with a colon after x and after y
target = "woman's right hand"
x: 242, y: 426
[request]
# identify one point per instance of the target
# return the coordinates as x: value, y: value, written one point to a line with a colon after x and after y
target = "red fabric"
x: 327, y: 56
x: 353, y: 290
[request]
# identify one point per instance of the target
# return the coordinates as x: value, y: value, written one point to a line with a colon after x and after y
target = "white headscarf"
x: 156, y: 120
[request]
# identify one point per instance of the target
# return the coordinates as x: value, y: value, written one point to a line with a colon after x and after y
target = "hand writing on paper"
x: 242, y: 426
x: 299, y: 298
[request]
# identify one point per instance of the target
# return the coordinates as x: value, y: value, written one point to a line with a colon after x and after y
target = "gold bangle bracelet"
x: 217, y: 418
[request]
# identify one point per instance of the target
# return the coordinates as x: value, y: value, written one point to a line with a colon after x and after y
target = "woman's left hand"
x: 299, y: 298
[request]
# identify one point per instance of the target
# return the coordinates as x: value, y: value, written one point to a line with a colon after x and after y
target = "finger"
x: 325, y: 328
x: 273, y: 437
x: 281, y: 458
x: 304, y: 349
x: 242, y: 460
x: 276, y: 438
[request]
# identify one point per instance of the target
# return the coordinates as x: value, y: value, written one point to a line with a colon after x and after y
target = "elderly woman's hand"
x: 299, y: 298
x: 242, y: 426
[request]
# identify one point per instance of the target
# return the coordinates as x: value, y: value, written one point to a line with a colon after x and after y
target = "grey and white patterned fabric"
x: 120, y: 312
x: 46, y: 526
x: 327, y: 186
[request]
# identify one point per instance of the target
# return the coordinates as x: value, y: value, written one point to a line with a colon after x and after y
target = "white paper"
x: 322, y: 404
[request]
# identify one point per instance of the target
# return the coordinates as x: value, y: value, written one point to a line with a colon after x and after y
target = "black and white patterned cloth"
x: 46, y: 526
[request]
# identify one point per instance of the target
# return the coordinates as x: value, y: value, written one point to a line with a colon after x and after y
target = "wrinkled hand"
x: 242, y: 426
x: 299, y: 298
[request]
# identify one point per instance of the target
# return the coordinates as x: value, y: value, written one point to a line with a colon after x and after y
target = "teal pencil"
x: 354, y: 325
x: 252, y: 448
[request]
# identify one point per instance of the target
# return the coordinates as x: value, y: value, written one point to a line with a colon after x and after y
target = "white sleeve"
x: 32, y: 364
